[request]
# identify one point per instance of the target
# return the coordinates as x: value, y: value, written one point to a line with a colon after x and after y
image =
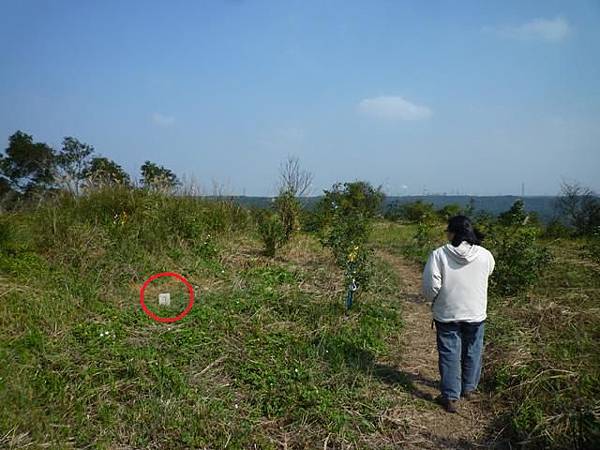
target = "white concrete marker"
x: 164, y: 299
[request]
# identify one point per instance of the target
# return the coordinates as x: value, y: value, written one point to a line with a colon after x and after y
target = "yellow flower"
x: 353, y: 254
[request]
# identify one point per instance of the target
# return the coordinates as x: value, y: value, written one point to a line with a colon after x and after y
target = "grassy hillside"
x: 267, y: 356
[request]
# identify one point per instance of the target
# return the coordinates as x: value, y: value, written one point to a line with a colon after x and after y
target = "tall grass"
x: 266, y: 356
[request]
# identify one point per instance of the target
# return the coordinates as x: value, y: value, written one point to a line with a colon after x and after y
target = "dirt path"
x: 428, y: 425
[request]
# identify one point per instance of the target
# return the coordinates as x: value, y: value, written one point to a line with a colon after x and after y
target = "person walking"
x: 455, y: 280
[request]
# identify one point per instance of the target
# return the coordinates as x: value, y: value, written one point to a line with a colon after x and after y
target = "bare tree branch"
x: 293, y: 179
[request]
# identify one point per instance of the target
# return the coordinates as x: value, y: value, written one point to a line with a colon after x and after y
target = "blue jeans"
x: 460, y: 348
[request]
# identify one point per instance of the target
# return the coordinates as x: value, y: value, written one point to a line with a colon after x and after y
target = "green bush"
x: 356, y: 197
x: 414, y: 212
x: 310, y: 220
x: 557, y: 229
x: 272, y: 232
x: 288, y: 208
x: 347, y: 237
x: 346, y: 213
x: 424, y: 241
x: 449, y: 211
x: 520, y: 258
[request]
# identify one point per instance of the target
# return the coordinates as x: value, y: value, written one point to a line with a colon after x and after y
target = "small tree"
x: 516, y: 215
x: 418, y: 211
x: 422, y: 243
x: 102, y: 171
x: 469, y: 209
x: 580, y: 206
x: 520, y: 258
x: 271, y: 231
x: 158, y: 177
x: 293, y: 183
x: 293, y: 179
x: 354, y: 197
x: 449, y: 211
x: 288, y: 208
x: 27, y: 166
x: 348, y: 212
x: 73, y: 161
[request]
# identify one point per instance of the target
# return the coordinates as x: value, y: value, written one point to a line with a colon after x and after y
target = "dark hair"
x: 463, y: 230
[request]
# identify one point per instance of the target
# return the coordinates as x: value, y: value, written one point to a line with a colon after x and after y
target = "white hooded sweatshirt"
x: 455, y: 279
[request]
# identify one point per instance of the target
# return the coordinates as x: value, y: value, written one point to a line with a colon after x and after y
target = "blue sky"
x: 419, y: 96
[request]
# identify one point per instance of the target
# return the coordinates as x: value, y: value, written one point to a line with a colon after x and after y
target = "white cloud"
x: 394, y: 108
x: 162, y: 120
x: 550, y: 30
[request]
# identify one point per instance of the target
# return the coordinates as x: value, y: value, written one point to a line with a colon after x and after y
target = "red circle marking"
x: 167, y: 319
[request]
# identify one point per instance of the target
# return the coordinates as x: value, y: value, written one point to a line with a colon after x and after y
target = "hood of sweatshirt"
x: 463, y: 254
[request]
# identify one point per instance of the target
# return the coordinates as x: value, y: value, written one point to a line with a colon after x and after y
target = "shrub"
x: 288, y: 208
x: 557, y: 229
x: 422, y: 243
x: 415, y: 212
x: 347, y: 211
x: 516, y: 215
x: 519, y: 258
x: 357, y: 197
x: 449, y: 211
x: 347, y: 237
x: 310, y: 220
x: 271, y: 230
x: 580, y: 206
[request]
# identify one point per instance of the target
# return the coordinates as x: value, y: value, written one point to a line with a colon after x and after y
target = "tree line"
x: 29, y: 168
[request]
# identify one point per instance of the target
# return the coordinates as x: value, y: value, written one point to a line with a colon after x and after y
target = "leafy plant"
x: 557, y: 229
x: 348, y: 210
x: 103, y: 172
x: 347, y: 238
x: 272, y: 232
x: 422, y: 243
x: 418, y: 211
x: 27, y: 166
x: 288, y: 208
x: 158, y: 177
x: 450, y: 210
x: 73, y: 160
x: 516, y: 215
x: 520, y: 258
x: 580, y: 206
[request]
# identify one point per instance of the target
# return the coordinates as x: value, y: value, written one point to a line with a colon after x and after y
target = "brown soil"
x: 428, y: 425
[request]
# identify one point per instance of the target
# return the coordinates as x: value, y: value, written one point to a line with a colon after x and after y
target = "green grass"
x: 267, y: 355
